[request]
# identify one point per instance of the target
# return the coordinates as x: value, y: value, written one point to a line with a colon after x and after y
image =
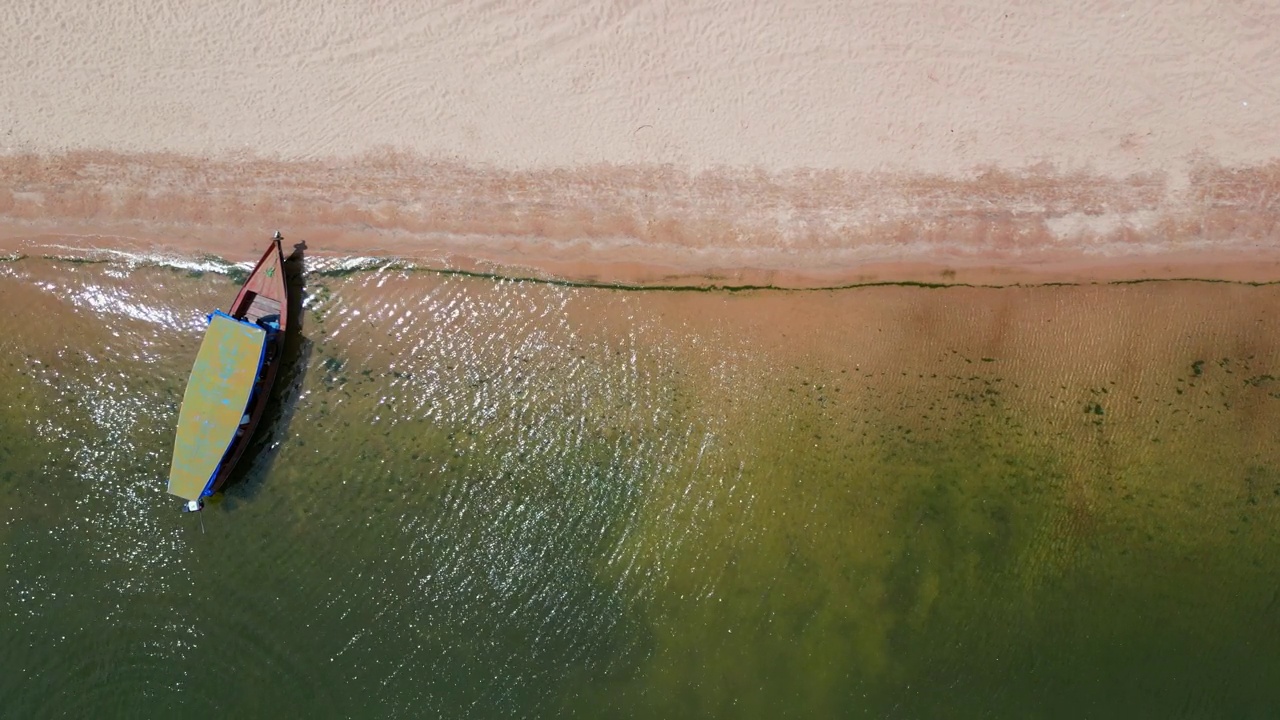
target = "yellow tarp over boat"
x: 217, y: 395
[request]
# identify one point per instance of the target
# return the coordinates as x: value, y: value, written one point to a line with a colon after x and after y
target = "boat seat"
x: 262, y: 307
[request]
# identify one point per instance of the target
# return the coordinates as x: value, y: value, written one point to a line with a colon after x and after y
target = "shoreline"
x: 1251, y: 268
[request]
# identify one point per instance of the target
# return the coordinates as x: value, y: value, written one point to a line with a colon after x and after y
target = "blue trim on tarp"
x: 209, y: 318
x: 208, y: 486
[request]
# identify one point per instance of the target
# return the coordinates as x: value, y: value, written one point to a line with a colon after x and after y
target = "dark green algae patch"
x: 967, y: 568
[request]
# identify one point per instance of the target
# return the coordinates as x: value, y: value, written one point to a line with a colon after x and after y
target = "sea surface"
x: 478, y: 497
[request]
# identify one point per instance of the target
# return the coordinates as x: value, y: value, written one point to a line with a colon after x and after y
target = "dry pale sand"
x: 801, y: 143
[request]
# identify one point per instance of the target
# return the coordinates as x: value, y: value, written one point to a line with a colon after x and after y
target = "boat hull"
x: 230, y: 382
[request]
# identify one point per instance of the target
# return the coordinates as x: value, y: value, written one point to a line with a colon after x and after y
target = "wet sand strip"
x: 657, y: 225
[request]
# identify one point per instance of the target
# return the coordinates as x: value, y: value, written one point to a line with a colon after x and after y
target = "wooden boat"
x: 230, y: 382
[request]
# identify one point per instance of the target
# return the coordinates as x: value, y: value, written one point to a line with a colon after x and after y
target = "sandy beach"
x: 706, y: 143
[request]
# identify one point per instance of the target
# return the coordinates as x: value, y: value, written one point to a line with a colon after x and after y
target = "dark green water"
x: 484, y: 498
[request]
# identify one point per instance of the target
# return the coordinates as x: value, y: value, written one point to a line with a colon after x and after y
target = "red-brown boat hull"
x: 265, y: 293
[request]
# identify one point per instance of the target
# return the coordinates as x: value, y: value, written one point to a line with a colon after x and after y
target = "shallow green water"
x: 483, y: 498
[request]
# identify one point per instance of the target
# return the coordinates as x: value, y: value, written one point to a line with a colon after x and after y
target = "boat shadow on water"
x: 247, y: 480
